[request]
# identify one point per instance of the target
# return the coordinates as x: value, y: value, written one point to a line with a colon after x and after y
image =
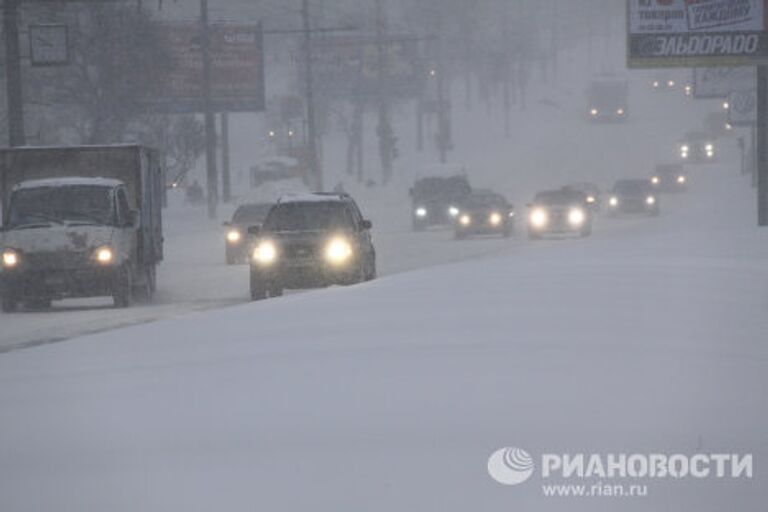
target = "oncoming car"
x: 633, y: 196
x: 608, y: 100
x: 669, y: 178
x: 697, y: 147
x: 484, y: 212
x: 237, y: 240
x: 311, y: 241
x: 435, y: 200
x: 561, y: 211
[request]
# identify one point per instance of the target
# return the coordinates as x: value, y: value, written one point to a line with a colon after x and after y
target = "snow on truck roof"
x: 69, y: 182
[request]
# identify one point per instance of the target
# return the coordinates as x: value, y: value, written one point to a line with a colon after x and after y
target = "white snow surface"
x: 391, y: 395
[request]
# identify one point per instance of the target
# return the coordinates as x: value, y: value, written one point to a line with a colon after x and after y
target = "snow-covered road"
x: 391, y: 395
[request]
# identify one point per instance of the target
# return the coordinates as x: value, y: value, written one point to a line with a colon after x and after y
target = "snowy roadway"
x: 649, y: 338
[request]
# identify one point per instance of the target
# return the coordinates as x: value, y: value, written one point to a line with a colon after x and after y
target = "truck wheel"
x: 258, y: 287
x: 122, y: 289
x: 8, y: 303
x: 144, y: 290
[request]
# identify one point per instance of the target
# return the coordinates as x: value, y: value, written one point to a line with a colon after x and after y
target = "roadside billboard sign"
x: 713, y: 83
x: 237, y: 69
x: 697, y: 33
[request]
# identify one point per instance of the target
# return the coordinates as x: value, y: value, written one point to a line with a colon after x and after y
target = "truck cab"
x: 73, y: 236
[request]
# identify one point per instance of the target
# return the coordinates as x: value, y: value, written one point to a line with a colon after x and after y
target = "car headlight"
x: 465, y: 220
x: 681, y: 179
x: 655, y: 180
x: 591, y: 199
x: 105, y: 255
x: 234, y: 236
x: 655, y: 84
x: 453, y: 211
x: 10, y: 258
x: 620, y: 111
x: 539, y: 218
x: 650, y: 200
x: 577, y: 217
x: 495, y: 219
x: 614, y: 201
x: 594, y: 112
x: 709, y: 147
x: 265, y: 253
x: 421, y: 212
x: 671, y: 83
x: 338, y: 251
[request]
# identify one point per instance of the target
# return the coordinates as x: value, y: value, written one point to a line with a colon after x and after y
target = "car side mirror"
x: 254, y: 230
x: 366, y: 225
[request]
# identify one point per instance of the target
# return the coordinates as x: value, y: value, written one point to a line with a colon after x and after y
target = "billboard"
x: 237, y: 69
x: 347, y: 67
x: 697, y: 33
x: 713, y: 83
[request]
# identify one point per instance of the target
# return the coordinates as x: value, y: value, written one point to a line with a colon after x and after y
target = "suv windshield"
x: 310, y: 216
x: 632, y: 187
x: 559, y: 198
x: 252, y: 213
x: 90, y: 204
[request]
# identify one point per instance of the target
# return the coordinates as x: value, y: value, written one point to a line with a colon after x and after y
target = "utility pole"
x: 762, y: 145
x: 14, y: 87
x: 226, y: 177
x: 210, y: 119
x: 384, y: 127
x: 312, y: 136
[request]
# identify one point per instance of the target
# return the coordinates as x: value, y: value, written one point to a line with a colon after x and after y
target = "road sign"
x: 713, y: 83
x: 742, y: 109
x: 237, y: 69
x: 701, y: 33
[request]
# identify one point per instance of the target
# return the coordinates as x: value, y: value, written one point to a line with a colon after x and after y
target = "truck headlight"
x: 539, y: 218
x: 421, y: 212
x: 495, y: 219
x: 577, y: 217
x: 614, y: 201
x: 650, y: 200
x: 104, y: 255
x: 234, y: 236
x: 10, y: 258
x: 338, y: 251
x: 265, y: 253
x: 465, y: 220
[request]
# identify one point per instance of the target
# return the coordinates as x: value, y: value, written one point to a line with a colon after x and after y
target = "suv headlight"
x: 577, y: 217
x: 104, y: 255
x: 265, y: 253
x: 338, y: 251
x: 11, y: 258
x: 421, y: 212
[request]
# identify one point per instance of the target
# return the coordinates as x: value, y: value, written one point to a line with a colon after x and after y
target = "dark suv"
x: 311, y: 241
